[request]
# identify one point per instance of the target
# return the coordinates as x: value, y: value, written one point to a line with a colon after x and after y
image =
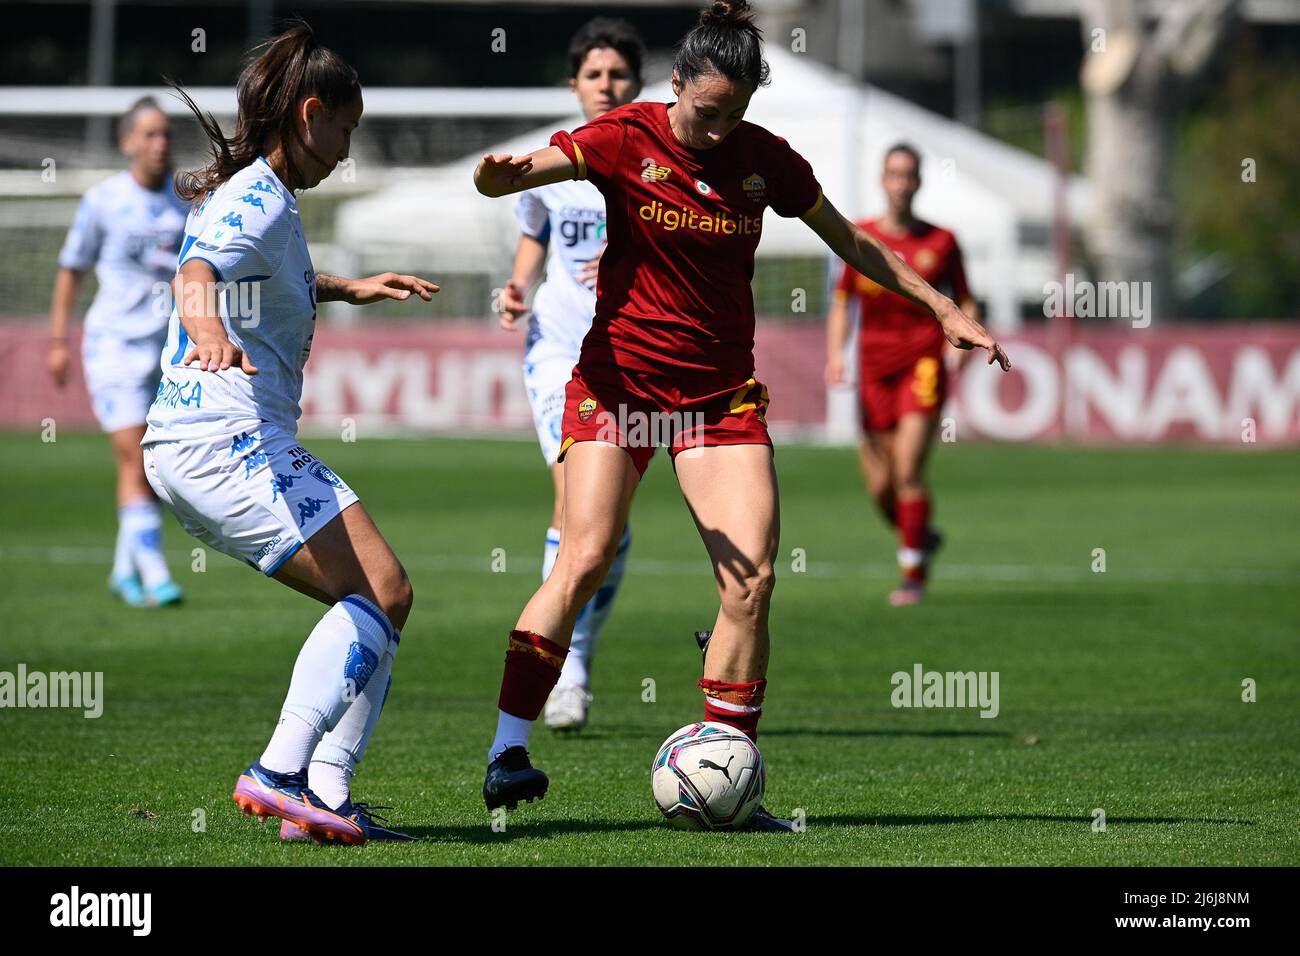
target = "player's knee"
x: 394, y: 594
x: 584, y: 567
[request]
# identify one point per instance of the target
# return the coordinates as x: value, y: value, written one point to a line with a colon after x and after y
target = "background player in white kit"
x: 221, y: 449
x: 568, y: 218
x: 128, y: 229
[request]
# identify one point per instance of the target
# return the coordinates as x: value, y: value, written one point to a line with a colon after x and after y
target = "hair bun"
x: 723, y: 13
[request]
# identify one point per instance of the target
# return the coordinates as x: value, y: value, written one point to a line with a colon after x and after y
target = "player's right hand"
x: 511, y: 306
x: 835, y: 370
x: 498, y: 173
x: 219, y: 355
x: 57, y: 362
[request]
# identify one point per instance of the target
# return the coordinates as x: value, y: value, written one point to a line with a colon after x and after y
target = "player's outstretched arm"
x: 877, y: 262
x: 196, y: 306
x: 512, y: 304
x: 67, y: 285
x: 501, y: 174
x: 387, y: 285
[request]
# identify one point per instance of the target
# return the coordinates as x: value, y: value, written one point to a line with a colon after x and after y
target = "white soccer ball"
x: 708, y: 776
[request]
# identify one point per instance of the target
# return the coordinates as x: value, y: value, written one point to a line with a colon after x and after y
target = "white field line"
x: 944, y: 570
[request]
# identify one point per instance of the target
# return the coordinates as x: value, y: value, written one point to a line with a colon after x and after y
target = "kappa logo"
x: 308, y: 508
x: 652, y: 172
x: 586, y: 409
x: 254, y: 461
x: 262, y: 186
x: 755, y: 187
x: 280, y: 484
x: 255, y: 201
x: 233, y: 219
x: 241, y: 443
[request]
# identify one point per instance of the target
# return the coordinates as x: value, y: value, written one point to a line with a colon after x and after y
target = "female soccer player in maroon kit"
x: 685, y: 185
x: 902, y: 375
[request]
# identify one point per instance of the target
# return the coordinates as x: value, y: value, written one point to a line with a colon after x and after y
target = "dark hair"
x: 280, y: 74
x: 725, y: 41
x: 907, y: 148
x: 145, y: 104
x: 617, y: 35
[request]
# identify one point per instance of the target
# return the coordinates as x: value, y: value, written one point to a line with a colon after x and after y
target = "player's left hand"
x: 388, y: 285
x: 592, y: 269
x: 963, y: 332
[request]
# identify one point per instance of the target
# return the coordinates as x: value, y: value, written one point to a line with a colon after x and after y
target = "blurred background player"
x: 902, y: 371
x: 568, y: 218
x: 128, y: 229
x: 222, y: 448
x: 686, y: 185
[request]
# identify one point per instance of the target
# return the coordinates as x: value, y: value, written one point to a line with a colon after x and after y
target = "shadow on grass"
x: 540, y: 829
x: 906, y: 820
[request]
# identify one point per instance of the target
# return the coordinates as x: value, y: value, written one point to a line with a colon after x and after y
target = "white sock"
x: 335, y: 759
x: 591, y: 620
x: 122, y: 566
x: 551, y: 553
x: 333, y: 669
x: 142, y: 521
x: 512, y: 731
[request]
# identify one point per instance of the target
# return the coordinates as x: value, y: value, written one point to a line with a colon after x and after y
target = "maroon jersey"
x: 673, y: 290
x: 895, y: 332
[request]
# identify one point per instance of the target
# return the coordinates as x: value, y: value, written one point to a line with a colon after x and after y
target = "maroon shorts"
x: 921, y: 386
x: 639, y: 411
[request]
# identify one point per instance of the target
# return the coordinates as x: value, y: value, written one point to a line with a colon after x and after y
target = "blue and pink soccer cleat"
x: 362, y: 814
x: 264, y: 793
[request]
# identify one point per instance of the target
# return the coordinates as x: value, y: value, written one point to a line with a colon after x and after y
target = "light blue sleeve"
x: 246, y: 237
x: 81, y: 249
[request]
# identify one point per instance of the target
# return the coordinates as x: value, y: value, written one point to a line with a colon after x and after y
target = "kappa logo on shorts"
x: 253, y: 462
x: 321, y: 472
x: 308, y: 508
x: 241, y: 443
x: 586, y: 409
x: 280, y: 484
x: 266, y: 549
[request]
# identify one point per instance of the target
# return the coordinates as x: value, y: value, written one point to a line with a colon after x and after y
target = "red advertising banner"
x: 1225, y: 383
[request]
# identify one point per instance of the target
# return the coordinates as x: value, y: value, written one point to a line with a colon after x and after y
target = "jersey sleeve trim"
x: 821, y: 197
x: 582, y: 163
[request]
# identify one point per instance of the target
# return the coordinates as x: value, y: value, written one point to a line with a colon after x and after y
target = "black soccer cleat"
x: 761, y: 821
x: 511, y: 778
x: 702, y: 639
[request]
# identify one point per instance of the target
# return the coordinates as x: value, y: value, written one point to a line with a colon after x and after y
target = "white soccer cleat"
x: 566, y: 708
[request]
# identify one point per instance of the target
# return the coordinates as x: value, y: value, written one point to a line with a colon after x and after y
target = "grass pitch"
x: 1119, y: 691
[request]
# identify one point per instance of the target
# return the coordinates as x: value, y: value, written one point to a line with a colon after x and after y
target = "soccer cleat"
x: 167, y: 593
x: 362, y: 814
x: 763, y: 822
x: 129, y: 589
x: 933, y: 542
x: 511, y: 778
x: 907, y: 593
x: 702, y: 639
x: 264, y: 793
x: 566, y: 708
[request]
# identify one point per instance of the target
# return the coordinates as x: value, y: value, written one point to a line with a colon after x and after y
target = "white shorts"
x: 548, y: 366
x: 253, y: 494
x: 121, y: 376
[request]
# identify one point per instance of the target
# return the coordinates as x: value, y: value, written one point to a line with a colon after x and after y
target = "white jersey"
x: 130, y: 236
x: 248, y: 230
x: 570, y: 218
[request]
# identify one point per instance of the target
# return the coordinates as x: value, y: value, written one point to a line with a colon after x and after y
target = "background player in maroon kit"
x: 686, y: 185
x: 902, y: 373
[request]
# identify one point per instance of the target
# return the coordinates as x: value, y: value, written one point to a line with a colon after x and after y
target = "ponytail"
x: 280, y: 74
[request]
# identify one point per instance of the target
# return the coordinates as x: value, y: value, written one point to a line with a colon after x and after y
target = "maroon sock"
x: 533, y: 666
x: 913, y: 520
x: 738, y: 705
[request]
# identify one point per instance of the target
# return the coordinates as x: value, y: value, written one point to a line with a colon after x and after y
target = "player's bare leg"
x: 876, y: 457
x: 340, y: 683
x: 599, y: 482
x: 917, y: 541
x: 140, y: 576
x: 741, y: 533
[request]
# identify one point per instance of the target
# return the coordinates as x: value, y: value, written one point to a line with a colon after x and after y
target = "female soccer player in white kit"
x: 568, y: 218
x: 128, y: 229
x: 221, y: 449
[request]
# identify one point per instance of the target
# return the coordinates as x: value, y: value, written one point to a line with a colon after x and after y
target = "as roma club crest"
x: 586, y: 409
x: 755, y: 187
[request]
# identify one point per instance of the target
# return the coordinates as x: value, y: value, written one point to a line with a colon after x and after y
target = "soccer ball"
x: 707, y: 776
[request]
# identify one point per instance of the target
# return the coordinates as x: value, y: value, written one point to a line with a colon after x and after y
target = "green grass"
x: 1119, y: 691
